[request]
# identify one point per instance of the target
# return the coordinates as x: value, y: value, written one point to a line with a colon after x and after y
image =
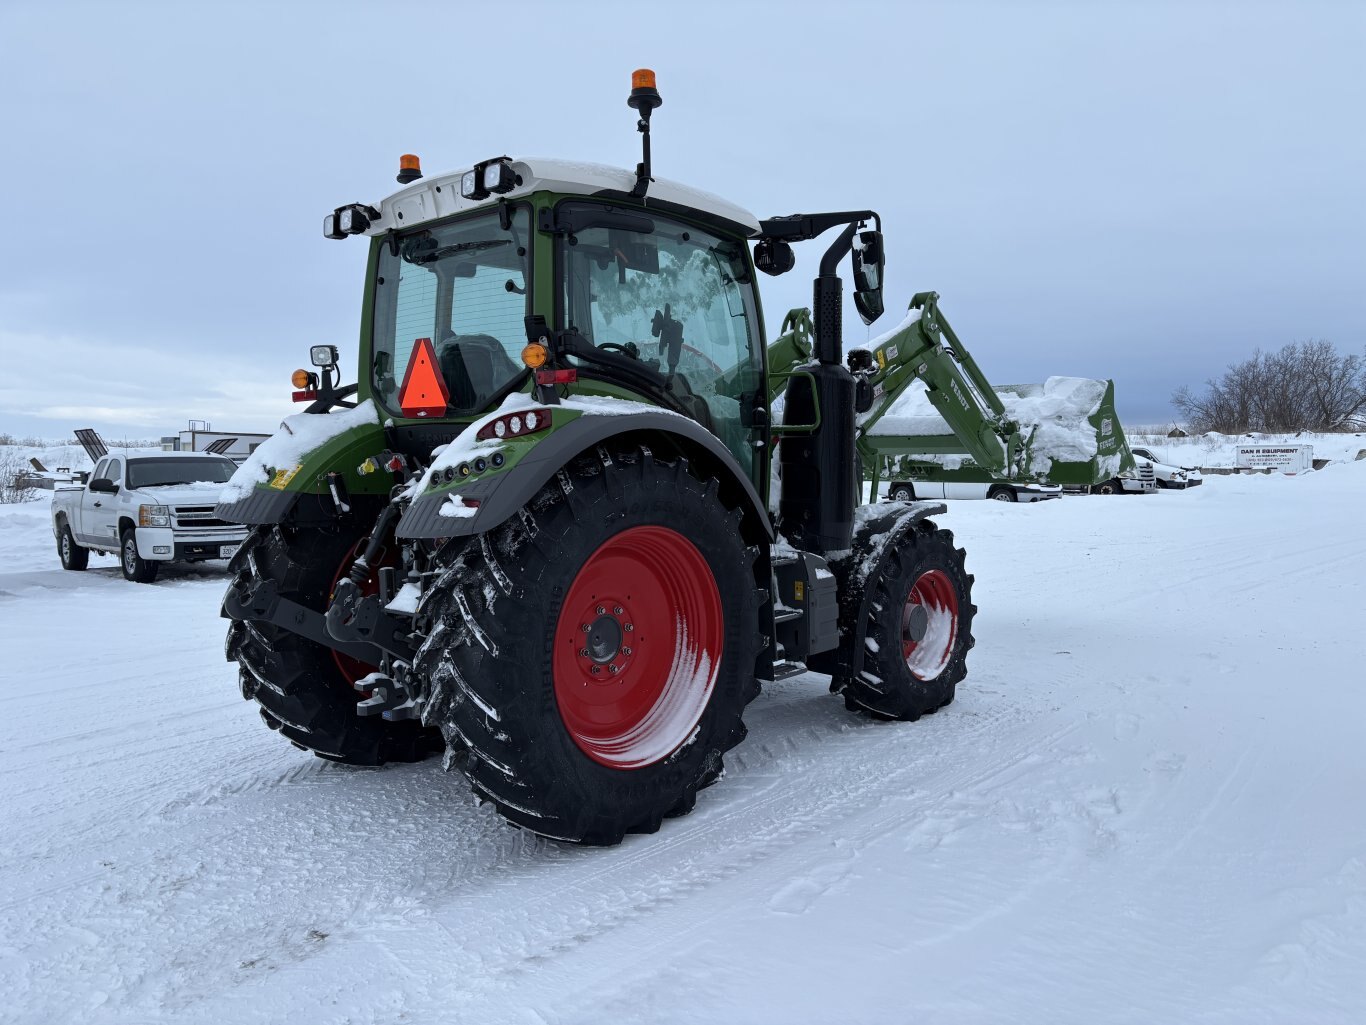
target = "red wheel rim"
x: 638, y: 648
x: 929, y: 624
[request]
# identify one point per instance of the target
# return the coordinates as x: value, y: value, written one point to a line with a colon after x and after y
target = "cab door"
x: 965, y: 489
x: 99, y: 510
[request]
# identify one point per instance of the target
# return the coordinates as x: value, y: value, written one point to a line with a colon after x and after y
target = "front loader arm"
x: 926, y: 348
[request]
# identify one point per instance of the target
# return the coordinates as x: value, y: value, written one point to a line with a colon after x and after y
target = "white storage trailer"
x: 1288, y: 459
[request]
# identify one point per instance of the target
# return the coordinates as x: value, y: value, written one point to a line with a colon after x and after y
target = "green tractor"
x: 543, y: 531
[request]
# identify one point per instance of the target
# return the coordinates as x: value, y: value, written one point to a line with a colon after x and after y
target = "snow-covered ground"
x: 1147, y: 805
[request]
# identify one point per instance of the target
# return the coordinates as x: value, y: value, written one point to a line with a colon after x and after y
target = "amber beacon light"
x: 409, y: 168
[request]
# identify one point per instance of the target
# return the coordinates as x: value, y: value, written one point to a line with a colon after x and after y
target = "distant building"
x: 1176, y: 432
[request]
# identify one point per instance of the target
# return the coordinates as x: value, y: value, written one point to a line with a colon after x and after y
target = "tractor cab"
x: 654, y: 298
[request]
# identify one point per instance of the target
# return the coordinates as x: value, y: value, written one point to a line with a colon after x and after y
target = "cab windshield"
x: 462, y: 286
x: 157, y: 473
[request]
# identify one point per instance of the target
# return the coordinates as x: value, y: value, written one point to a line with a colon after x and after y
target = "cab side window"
x: 114, y: 470
x: 680, y: 301
x: 98, y: 472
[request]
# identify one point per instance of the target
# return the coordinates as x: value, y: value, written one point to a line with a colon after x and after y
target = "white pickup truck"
x: 1169, y: 475
x: 999, y: 491
x: 147, y: 509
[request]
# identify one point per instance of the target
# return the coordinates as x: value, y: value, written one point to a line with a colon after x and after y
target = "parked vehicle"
x: 147, y: 509
x: 998, y: 491
x: 1168, y: 475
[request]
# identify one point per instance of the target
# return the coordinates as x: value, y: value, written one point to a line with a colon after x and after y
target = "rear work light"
x: 515, y: 425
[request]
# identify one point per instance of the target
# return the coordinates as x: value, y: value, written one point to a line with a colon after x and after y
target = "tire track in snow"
x: 526, y: 930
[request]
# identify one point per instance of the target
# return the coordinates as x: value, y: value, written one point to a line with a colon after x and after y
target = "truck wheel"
x: 1109, y: 487
x: 1002, y: 495
x: 593, y: 655
x: 902, y: 493
x: 304, y: 689
x: 919, y: 629
x: 73, y: 556
x: 135, y: 567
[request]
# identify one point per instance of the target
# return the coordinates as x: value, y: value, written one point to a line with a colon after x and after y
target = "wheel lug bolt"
x: 583, y: 653
x: 628, y: 628
x: 596, y: 670
x: 612, y: 668
x: 601, y: 611
x: 617, y: 609
x: 626, y: 651
x: 584, y: 627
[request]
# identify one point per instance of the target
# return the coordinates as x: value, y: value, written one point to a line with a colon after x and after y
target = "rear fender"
x: 476, y: 505
x: 290, y: 468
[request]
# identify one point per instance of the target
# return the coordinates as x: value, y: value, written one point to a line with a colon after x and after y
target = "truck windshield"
x: 462, y: 286
x: 156, y: 473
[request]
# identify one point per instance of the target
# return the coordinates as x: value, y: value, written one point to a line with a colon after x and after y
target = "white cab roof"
x: 439, y: 195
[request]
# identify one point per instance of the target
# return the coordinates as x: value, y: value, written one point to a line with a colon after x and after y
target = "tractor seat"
x: 474, y: 367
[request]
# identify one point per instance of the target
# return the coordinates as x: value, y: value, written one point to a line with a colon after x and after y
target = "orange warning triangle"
x: 424, y: 392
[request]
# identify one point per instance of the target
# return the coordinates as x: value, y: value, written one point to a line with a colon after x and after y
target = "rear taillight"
x: 515, y: 425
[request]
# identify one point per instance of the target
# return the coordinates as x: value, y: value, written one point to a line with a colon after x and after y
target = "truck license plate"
x: 226, y: 551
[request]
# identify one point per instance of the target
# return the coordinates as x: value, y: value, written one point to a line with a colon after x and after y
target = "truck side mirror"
x: 104, y: 486
x: 868, y: 262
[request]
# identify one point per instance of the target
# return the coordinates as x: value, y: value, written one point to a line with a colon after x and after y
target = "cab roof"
x: 438, y: 196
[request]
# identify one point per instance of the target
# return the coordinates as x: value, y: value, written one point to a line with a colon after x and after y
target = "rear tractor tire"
x: 73, y: 556
x: 303, y: 688
x: 919, y: 629
x: 592, y: 656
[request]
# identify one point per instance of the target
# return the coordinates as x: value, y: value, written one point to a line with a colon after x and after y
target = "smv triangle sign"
x: 424, y: 392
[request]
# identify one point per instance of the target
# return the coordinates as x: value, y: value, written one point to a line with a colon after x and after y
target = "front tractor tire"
x: 592, y: 656
x: 303, y: 689
x: 918, y: 631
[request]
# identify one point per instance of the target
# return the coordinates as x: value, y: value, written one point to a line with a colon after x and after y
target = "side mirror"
x: 868, y: 262
x: 104, y: 486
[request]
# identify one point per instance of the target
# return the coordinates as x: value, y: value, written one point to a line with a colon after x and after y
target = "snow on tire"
x: 592, y: 656
x: 919, y: 629
x: 303, y: 688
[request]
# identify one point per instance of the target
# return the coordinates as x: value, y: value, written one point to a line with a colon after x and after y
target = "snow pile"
x: 285, y: 449
x: 1062, y: 404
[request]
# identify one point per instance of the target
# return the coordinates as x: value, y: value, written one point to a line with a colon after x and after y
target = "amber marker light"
x: 300, y: 378
x: 535, y: 355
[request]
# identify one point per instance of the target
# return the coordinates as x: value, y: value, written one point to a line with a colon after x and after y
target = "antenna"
x: 644, y: 98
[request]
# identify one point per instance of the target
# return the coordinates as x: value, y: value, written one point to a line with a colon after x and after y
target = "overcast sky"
x: 1137, y: 191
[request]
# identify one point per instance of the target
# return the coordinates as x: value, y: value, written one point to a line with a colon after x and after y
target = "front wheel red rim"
x: 929, y: 624
x: 638, y: 648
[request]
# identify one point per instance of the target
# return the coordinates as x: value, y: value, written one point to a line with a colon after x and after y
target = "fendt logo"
x: 1106, y: 425
x: 964, y: 401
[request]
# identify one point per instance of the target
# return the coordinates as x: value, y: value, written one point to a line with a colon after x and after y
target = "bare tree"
x: 1305, y: 386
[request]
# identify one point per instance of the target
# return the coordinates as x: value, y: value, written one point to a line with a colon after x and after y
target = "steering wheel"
x: 631, y: 349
